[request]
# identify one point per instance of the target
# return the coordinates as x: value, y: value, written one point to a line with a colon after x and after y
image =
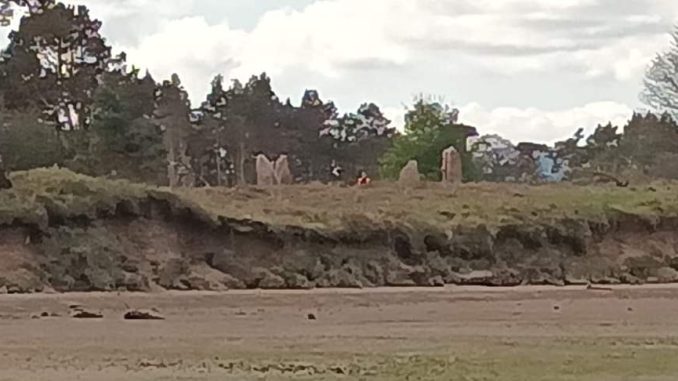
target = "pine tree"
x: 54, y: 61
x: 172, y: 116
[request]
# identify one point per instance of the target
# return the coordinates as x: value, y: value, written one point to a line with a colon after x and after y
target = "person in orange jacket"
x: 363, y: 179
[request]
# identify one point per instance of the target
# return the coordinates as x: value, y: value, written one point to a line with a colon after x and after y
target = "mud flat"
x: 455, y: 333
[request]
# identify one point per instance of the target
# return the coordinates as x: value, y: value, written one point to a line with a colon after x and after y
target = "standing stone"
x: 409, y: 175
x: 282, y: 173
x: 265, y: 171
x: 451, y: 166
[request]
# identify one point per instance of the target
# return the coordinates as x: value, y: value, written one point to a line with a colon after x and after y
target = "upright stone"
x: 265, y: 171
x: 451, y: 167
x: 409, y: 175
x: 283, y: 175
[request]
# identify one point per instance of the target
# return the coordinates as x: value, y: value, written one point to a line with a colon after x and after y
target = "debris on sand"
x: 82, y: 314
x: 311, y: 317
x: 143, y: 315
x: 78, y: 312
x: 597, y: 288
x: 44, y: 315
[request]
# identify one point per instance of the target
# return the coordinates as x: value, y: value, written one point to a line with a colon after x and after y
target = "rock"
x: 199, y: 283
x: 22, y: 281
x: 311, y: 317
x: 233, y: 283
x: 270, y: 281
x: 543, y: 276
x: 421, y: 276
x: 82, y: 314
x: 451, y: 167
x: 605, y: 280
x: 14, y: 289
x: 339, y: 278
x: 172, y: 275
x: 630, y: 279
x: 436, y: 281
x: 130, y: 267
x: 574, y: 281
x: 409, y: 175
x: 143, y: 315
x: 507, y: 278
x: 374, y: 273
x: 673, y: 262
x: 597, y: 288
x: 401, y: 277
x: 135, y: 282
x: 265, y: 171
x: 474, y: 278
x: 667, y: 275
x: 282, y: 172
x: 298, y: 282
x: 644, y: 266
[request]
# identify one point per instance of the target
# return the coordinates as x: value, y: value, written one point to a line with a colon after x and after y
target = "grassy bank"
x: 325, y: 207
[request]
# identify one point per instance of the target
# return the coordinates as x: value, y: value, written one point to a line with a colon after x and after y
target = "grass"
x: 466, y: 359
x: 338, y: 208
x: 516, y: 359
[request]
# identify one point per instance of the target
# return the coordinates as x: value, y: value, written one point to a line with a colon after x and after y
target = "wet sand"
x: 532, y: 333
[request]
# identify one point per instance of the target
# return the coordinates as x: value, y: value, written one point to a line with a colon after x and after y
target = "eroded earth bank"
x: 66, y: 232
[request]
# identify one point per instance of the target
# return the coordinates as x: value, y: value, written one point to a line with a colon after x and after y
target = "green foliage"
x: 122, y: 138
x: 27, y: 143
x: 647, y: 148
x: 83, y: 259
x: 430, y: 128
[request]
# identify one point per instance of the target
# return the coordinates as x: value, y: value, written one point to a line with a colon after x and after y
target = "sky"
x: 529, y: 70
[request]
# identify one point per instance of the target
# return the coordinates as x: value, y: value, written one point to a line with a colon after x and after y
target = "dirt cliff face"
x: 65, y: 232
x: 158, y: 245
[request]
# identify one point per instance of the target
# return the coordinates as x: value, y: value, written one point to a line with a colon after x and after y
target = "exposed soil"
x: 174, y: 249
x: 517, y: 334
x: 60, y: 231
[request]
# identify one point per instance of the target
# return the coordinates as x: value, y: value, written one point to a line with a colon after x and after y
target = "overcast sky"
x: 526, y: 69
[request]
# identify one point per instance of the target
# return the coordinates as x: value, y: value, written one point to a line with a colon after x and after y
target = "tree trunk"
x: 241, y: 164
x: 171, y: 169
x: 218, y: 159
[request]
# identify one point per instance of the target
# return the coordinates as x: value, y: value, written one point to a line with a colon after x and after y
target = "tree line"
x: 66, y: 100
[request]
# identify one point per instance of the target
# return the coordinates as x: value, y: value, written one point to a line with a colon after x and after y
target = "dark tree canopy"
x: 55, y: 61
x: 66, y: 100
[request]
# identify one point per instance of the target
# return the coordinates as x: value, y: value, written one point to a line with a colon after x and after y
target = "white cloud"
x: 194, y: 55
x: 532, y: 124
x: 546, y: 126
x: 603, y: 44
